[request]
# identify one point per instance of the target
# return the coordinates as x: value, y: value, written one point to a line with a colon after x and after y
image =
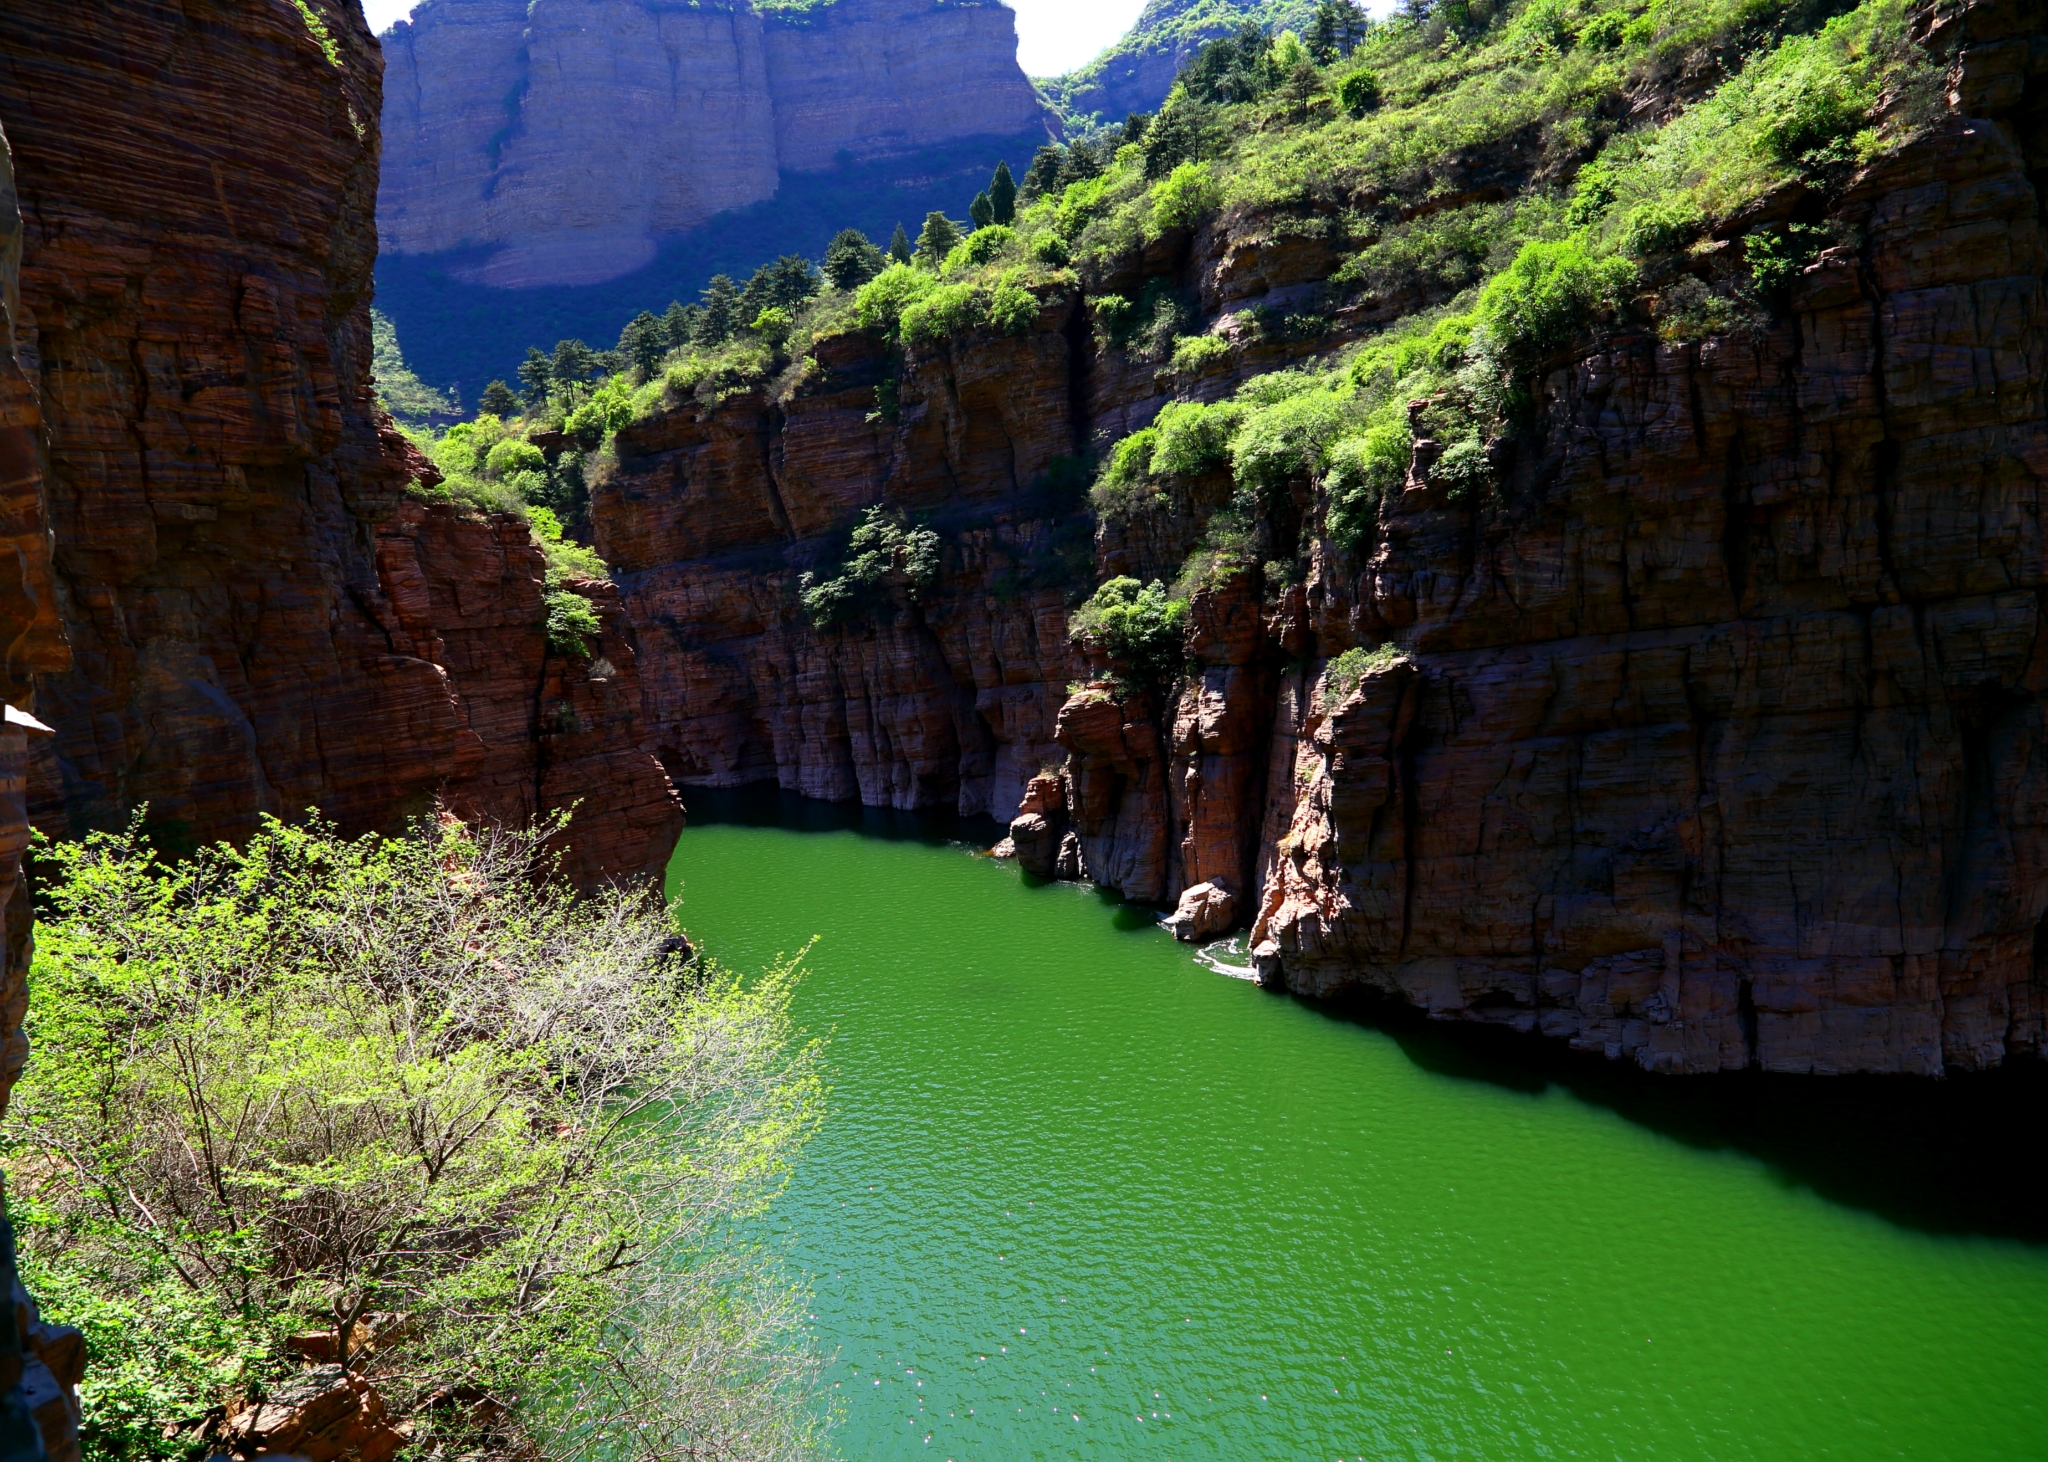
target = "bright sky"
x: 1053, y: 36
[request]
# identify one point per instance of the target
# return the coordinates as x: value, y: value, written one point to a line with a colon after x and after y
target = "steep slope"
x: 1659, y: 674
x: 262, y: 619
x: 568, y: 137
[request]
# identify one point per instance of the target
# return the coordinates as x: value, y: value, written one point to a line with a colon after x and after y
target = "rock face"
x: 1717, y: 738
x: 40, y: 1364
x: 261, y: 619
x: 570, y: 135
x: 943, y: 697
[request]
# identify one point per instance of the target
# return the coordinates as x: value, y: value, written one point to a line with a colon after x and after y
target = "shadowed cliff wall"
x: 261, y: 619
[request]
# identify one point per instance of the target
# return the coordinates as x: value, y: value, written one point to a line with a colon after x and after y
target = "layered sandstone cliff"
x: 570, y: 135
x: 262, y: 619
x: 1714, y: 738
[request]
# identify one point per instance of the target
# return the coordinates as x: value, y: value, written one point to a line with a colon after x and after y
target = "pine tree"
x: 573, y: 361
x: 851, y: 260
x: 981, y: 210
x: 1002, y: 194
x: 536, y: 375
x: 721, y: 303
x: 1044, y: 170
x: 937, y: 239
x: 899, y: 246
x: 498, y: 399
x: 643, y: 343
x: 1322, y: 37
x: 679, y: 323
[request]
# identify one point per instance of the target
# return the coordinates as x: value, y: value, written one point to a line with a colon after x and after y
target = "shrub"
x: 882, y: 300
x: 319, y: 1080
x: 1363, y: 471
x: 1660, y: 226
x: 1285, y: 441
x: 572, y: 622
x: 1193, y: 354
x: 1012, y: 307
x: 1125, y: 483
x: 1360, y: 92
x: 983, y: 246
x: 1550, y: 293
x: 1348, y: 669
x: 885, y: 552
x: 1183, y: 196
x: 1194, y: 438
x: 1138, y: 627
x: 947, y: 309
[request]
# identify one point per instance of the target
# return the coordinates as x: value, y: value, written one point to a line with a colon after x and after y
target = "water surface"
x: 1081, y: 1197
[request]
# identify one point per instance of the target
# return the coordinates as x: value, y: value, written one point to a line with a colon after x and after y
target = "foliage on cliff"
x: 487, y: 1145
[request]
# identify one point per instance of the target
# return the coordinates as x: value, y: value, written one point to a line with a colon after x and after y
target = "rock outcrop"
x: 569, y: 136
x: 1717, y: 737
x: 262, y: 619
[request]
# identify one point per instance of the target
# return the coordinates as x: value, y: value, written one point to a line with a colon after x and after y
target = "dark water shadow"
x: 763, y: 804
x: 1963, y: 1155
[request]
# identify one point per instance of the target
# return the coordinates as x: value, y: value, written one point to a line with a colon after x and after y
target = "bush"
x: 983, y: 246
x: 1360, y: 92
x: 1125, y: 484
x: 1660, y: 226
x: 1138, y: 627
x: 1285, y: 442
x: 1012, y: 307
x: 1364, y: 470
x: 1184, y: 196
x: 882, y: 300
x: 885, y: 552
x: 1194, y: 439
x: 947, y: 309
x: 1193, y: 354
x: 1548, y: 295
x: 320, y: 1081
x: 1348, y: 669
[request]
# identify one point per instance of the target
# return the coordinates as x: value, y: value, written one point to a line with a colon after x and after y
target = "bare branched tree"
x: 495, y: 1142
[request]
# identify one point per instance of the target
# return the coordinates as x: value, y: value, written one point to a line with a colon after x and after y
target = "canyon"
x: 1713, y: 741
x: 565, y: 138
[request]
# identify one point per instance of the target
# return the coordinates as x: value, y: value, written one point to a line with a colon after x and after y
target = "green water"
x: 1081, y: 1197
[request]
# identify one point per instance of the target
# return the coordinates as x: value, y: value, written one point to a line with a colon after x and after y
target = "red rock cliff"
x: 261, y: 619
x: 1717, y: 738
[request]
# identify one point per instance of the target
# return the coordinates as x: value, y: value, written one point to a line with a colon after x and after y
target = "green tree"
x: 1360, y: 92
x: 981, y: 210
x: 490, y: 1139
x: 721, y: 311
x: 851, y: 259
x: 1138, y: 628
x: 783, y: 284
x: 537, y: 375
x: 937, y: 239
x: 572, y: 363
x: 1044, y: 171
x: 1002, y: 195
x: 498, y: 399
x: 643, y: 343
x: 679, y: 323
x: 899, y: 246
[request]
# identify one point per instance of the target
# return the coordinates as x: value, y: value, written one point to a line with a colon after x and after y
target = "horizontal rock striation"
x: 570, y: 135
x: 1713, y: 739
x: 262, y: 620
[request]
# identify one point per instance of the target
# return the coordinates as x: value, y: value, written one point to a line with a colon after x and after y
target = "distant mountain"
x: 456, y: 332
x: 562, y: 142
x: 1135, y: 74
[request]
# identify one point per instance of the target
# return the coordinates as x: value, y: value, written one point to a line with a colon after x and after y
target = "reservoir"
x: 1082, y: 1196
